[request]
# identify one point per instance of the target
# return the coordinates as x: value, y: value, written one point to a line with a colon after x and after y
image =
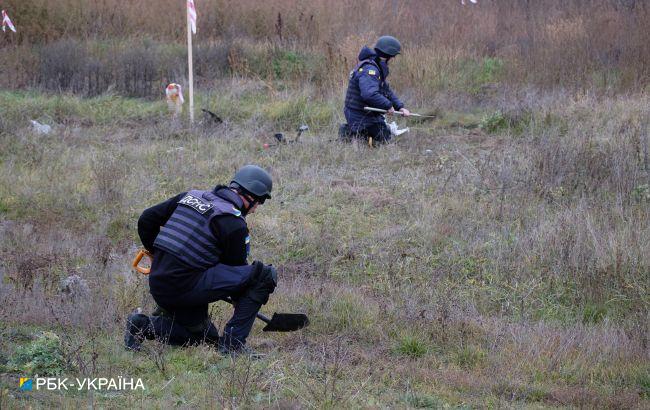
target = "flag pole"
x: 189, y: 65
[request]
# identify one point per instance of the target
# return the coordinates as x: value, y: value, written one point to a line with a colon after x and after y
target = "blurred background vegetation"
x: 134, y: 48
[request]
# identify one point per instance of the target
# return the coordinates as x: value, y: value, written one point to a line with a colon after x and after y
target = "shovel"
x: 280, y: 322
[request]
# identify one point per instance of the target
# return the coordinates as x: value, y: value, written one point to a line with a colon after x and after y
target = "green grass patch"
x: 287, y: 64
x: 593, y: 313
x: 643, y: 381
x: 493, y: 122
x: 120, y: 229
x: 474, y: 75
x: 43, y: 356
x: 454, y: 119
x: 19, y: 107
x: 299, y: 110
x: 469, y: 357
x: 411, y: 346
x: 4, y: 206
x: 424, y: 401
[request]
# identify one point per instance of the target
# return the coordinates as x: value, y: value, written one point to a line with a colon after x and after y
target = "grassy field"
x: 490, y: 258
x: 497, y: 256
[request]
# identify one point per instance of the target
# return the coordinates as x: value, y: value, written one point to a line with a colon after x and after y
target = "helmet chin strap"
x: 251, y: 204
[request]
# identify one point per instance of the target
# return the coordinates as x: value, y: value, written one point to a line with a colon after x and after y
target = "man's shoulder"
x: 369, y: 68
x: 228, y: 223
x: 367, y: 64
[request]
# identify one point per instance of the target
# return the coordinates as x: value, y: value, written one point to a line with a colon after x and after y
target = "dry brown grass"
x: 505, y: 269
x: 507, y: 266
x: 602, y: 44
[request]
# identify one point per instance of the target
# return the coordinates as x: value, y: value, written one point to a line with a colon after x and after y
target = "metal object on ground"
x: 301, y: 129
x: 281, y: 322
x: 41, y: 129
x: 379, y: 110
x: 283, y: 140
x: 209, y: 115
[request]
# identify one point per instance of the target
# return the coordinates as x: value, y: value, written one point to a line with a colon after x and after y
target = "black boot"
x: 137, y: 329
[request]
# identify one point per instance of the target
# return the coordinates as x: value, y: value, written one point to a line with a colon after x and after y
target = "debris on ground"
x: 41, y: 129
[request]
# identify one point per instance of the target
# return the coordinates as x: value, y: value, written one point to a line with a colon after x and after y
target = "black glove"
x: 269, y: 272
x: 263, y: 282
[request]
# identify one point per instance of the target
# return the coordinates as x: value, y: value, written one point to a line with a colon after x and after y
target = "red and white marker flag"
x: 6, y: 22
x: 191, y: 15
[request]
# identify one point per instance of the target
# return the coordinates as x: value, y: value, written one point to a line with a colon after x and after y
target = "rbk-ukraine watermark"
x: 86, y: 383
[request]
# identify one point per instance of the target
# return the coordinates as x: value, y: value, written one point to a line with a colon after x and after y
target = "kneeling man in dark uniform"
x: 200, y: 244
x: 367, y: 87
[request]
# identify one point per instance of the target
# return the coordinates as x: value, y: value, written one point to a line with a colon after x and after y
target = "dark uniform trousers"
x: 379, y: 132
x: 183, y: 319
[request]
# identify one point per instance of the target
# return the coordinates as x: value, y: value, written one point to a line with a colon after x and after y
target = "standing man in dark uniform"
x: 200, y: 244
x: 368, y: 88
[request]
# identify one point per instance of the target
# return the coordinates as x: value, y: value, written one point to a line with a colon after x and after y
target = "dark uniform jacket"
x: 368, y: 88
x: 172, y: 275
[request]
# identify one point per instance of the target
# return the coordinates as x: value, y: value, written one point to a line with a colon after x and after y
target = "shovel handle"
x: 136, y: 262
x: 379, y: 110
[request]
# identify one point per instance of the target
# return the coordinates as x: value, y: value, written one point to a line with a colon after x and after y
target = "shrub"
x: 424, y: 401
x: 287, y: 64
x: 476, y: 74
x: 469, y: 357
x: 641, y: 193
x: 411, y: 346
x: 593, y: 313
x: 643, y: 380
x: 528, y: 41
x: 493, y: 122
x: 63, y: 66
x: 42, y: 356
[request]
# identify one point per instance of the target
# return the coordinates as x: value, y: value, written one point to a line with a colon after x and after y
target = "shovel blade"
x: 286, y: 322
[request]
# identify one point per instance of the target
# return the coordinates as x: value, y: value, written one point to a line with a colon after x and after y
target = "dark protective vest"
x: 353, y: 98
x: 354, y: 104
x: 187, y: 234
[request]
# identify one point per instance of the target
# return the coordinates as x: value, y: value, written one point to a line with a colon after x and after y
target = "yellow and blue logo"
x: 26, y: 383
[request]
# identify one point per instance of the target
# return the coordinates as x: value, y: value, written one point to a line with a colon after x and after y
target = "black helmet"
x: 254, y: 180
x: 388, y: 45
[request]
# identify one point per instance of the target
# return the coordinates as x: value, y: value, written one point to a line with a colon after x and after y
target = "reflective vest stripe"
x: 206, y: 252
x: 187, y: 234
x: 187, y: 230
x: 170, y: 243
x: 186, y: 221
